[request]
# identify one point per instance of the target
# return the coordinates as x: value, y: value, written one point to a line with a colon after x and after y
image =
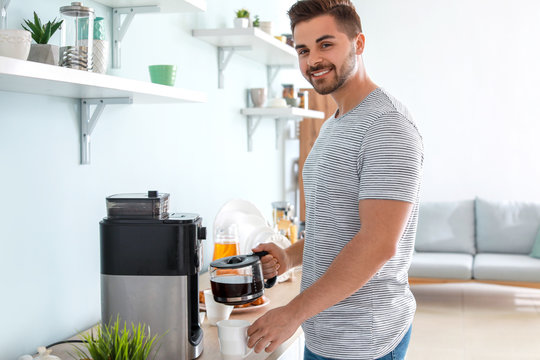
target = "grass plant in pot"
x: 242, y: 19
x: 42, y: 51
x: 116, y: 341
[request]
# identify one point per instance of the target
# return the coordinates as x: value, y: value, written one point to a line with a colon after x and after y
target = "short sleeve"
x: 390, y: 159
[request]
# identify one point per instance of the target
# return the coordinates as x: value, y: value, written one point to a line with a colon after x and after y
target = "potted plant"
x: 257, y: 21
x: 242, y: 18
x: 41, y: 51
x: 118, y: 342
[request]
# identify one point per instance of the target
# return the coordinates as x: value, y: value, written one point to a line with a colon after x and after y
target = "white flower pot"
x: 15, y: 43
x: 241, y: 22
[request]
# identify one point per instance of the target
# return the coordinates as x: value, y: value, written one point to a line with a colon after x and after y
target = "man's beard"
x: 327, y: 86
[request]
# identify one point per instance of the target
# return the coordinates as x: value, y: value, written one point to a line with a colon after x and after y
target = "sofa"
x: 477, y: 240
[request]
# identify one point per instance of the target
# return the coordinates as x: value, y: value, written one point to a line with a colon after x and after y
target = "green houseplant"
x: 42, y: 51
x: 116, y: 341
x: 242, y: 18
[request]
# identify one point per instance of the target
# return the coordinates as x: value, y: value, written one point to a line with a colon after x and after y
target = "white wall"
x: 469, y: 72
x: 49, y: 258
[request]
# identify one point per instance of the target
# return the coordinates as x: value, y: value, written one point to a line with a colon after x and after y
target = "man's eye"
x: 302, y: 52
x: 325, y: 45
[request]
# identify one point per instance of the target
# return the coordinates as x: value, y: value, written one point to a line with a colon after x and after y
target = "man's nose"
x: 314, y: 59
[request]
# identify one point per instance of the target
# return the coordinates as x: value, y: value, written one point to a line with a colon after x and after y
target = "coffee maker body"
x: 149, y: 274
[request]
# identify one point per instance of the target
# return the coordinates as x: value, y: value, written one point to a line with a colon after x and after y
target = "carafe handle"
x: 272, y: 281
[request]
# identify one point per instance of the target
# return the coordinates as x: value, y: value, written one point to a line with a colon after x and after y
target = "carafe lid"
x: 235, y: 262
x: 76, y: 9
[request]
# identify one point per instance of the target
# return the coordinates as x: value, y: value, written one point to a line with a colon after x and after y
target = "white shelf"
x: 36, y: 78
x: 278, y: 113
x: 169, y: 6
x: 283, y: 112
x: 264, y: 47
x: 90, y: 89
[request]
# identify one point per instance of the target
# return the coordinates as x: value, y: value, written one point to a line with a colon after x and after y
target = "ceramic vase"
x: 241, y: 22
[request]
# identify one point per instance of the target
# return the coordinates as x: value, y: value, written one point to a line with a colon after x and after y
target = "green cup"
x: 163, y: 74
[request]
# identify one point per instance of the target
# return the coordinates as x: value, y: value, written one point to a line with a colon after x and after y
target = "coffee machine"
x: 150, y: 262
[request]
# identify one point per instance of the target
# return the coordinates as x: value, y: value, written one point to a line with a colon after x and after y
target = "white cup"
x: 214, y: 310
x: 233, y: 339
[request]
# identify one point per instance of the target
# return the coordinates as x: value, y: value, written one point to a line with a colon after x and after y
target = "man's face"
x: 327, y: 57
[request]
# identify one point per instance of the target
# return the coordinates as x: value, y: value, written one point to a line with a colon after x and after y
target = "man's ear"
x: 360, y: 42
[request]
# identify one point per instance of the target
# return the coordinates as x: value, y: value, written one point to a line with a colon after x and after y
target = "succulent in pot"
x: 242, y: 18
x: 42, y: 51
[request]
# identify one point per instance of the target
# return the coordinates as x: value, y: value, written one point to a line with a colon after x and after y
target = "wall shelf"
x: 254, y: 116
x: 251, y: 43
x: 91, y: 88
x: 169, y: 6
x: 125, y: 10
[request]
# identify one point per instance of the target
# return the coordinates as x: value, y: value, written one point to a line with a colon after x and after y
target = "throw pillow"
x: 536, y: 247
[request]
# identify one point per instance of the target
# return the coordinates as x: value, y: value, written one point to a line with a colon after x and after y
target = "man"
x: 361, y: 182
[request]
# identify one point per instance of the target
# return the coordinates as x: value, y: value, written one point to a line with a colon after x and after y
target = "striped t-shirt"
x: 372, y: 152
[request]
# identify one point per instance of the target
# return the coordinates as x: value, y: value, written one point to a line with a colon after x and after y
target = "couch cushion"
x: 441, y: 265
x: 506, y: 227
x: 536, y: 247
x: 446, y: 227
x: 504, y: 267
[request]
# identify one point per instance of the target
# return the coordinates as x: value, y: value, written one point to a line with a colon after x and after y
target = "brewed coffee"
x: 236, y: 289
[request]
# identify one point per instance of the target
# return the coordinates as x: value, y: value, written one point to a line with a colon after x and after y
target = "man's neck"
x: 353, y: 92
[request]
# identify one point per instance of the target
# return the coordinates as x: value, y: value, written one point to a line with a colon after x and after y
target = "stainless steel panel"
x: 158, y: 301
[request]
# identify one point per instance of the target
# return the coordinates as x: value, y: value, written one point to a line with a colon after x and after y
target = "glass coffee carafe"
x: 238, y: 279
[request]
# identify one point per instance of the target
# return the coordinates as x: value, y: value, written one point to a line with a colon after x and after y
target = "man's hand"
x: 276, y: 262
x: 273, y: 328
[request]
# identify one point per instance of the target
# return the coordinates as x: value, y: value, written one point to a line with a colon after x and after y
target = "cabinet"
x: 90, y: 88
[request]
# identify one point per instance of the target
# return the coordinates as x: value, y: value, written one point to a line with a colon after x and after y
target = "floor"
x: 475, y: 321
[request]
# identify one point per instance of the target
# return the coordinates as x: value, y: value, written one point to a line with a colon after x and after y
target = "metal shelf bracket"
x: 120, y: 27
x: 89, y: 121
x: 224, y: 55
x: 251, y: 127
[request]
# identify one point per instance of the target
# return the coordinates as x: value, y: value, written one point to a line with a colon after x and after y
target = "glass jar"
x: 226, y: 242
x: 77, y: 35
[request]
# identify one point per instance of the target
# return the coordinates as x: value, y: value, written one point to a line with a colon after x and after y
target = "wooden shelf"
x: 169, y: 6
x: 36, y: 78
x: 264, y: 48
x: 283, y: 112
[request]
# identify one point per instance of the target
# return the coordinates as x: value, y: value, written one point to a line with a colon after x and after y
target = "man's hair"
x: 342, y: 11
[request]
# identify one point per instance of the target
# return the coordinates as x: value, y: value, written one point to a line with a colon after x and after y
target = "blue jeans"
x: 397, y: 354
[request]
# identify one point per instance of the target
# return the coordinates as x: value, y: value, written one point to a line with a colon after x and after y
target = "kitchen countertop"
x: 279, y: 295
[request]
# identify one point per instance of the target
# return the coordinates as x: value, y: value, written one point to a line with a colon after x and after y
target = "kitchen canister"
x: 101, y: 47
x: 76, y: 45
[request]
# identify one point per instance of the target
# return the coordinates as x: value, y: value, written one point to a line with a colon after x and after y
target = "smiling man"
x: 361, y: 183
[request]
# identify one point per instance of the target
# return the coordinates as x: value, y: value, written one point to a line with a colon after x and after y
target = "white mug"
x: 214, y: 310
x: 233, y: 339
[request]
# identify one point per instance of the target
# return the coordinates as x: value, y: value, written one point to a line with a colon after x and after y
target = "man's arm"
x: 382, y: 224
x: 279, y: 260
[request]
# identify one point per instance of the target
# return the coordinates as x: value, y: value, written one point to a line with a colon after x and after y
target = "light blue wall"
x: 49, y: 258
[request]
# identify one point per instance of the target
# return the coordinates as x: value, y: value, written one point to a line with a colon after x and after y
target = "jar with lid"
x: 226, y: 242
x: 76, y: 44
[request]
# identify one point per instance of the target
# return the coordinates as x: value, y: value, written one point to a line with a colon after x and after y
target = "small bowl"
x: 15, y: 43
x: 294, y: 102
x: 163, y: 74
x: 276, y: 103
